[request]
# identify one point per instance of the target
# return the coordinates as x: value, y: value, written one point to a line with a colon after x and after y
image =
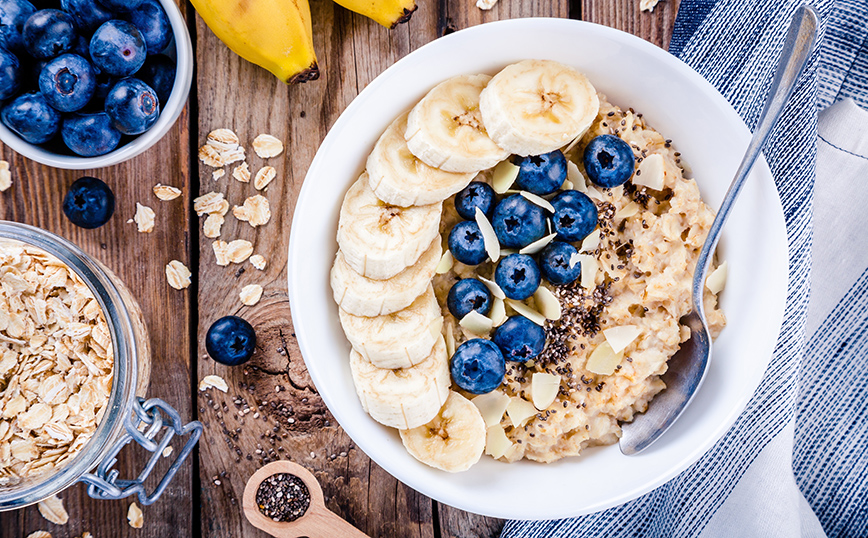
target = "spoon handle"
x: 797, y: 48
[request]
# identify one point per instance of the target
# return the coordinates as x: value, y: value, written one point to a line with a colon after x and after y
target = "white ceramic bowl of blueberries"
x: 91, y: 83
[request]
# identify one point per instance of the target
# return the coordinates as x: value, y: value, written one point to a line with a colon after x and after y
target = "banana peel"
x: 274, y: 34
x: 389, y: 13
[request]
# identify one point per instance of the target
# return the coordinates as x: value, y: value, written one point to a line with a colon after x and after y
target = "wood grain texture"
x: 655, y: 26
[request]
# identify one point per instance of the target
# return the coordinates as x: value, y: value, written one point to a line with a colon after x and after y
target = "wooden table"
x: 287, y: 417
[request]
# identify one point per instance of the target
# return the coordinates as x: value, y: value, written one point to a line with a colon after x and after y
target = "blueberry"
x: 151, y: 20
x: 575, y: 215
x: 67, y: 82
x: 466, y: 243
x: 520, y: 339
x: 555, y: 263
x: 133, y: 106
x: 104, y: 84
x: 81, y: 47
x: 13, y: 15
x: 10, y: 74
x: 48, y: 33
x: 541, y: 174
x: 477, y: 194
x: 466, y: 295
x: 90, y: 135
x: 32, y: 118
x: 158, y: 73
x: 89, y: 203
x: 118, y: 48
x: 121, y: 5
x: 518, y: 276
x: 86, y: 14
x: 230, y: 341
x: 478, y: 366
x: 609, y: 161
x: 518, y: 222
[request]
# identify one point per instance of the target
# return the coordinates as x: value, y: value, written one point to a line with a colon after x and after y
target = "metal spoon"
x: 688, y: 366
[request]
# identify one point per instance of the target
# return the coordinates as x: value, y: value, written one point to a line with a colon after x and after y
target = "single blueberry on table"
x: 520, y: 339
x: 556, y: 265
x: 133, y: 106
x: 609, y: 161
x: 90, y: 135
x: 575, y: 215
x: 151, y: 20
x: 67, y: 82
x: 89, y: 203
x: 48, y: 33
x: 13, y: 15
x: 86, y: 14
x: 541, y: 174
x: 466, y: 243
x: 518, y: 222
x: 118, y: 48
x: 518, y: 275
x: 121, y: 5
x: 477, y: 194
x: 32, y: 118
x: 230, y: 341
x: 468, y: 294
x: 158, y: 73
x: 478, y: 366
x: 10, y: 74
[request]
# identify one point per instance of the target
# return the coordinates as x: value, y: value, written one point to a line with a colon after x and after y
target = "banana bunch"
x: 390, y: 245
x: 278, y: 35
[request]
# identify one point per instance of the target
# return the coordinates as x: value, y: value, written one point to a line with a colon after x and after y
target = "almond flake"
x: 526, y: 311
x: 135, y: 517
x: 178, y: 275
x: 496, y: 442
x: 255, y: 211
x: 213, y: 381
x: 52, y: 509
x: 239, y: 250
x: 537, y: 200
x: 546, y: 302
x: 217, y: 174
x: 603, y: 360
x: 621, y: 336
x: 717, y: 279
x: 589, y: 243
x: 251, y: 294
x: 258, y: 261
x: 267, y: 146
x: 222, y: 140
x: 5, y: 176
x: 491, y: 406
x: 538, y: 245
x: 476, y: 323
x: 211, y: 202
x: 493, y: 287
x: 144, y: 218
x: 211, y: 157
x: 242, y: 173
x: 445, y: 265
x: 497, y: 315
x: 264, y: 177
x: 503, y: 176
x: 627, y: 211
x: 221, y: 252
x: 449, y: 336
x: 544, y: 389
x: 166, y: 192
x: 489, y: 237
x: 650, y: 172
x: 575, y: 177
x: 519, y: 410
x: 213, y: 224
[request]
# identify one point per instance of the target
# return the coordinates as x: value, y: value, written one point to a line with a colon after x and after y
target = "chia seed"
x: 283, y: 497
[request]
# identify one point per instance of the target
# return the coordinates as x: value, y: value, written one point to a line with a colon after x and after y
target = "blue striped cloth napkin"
x: 795, y: 464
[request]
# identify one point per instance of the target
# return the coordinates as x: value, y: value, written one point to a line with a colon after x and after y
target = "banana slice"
x: 380, y: 240
x: 398, y: 340
x: 362, y: 296
x: 407, y: 397
x: 445, y: 129
x: 397, y: 177
x: 537, y: 106
x: 453, y: 441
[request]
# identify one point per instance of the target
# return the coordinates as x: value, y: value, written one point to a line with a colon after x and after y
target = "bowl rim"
x: 302, y: 328
x: 168, y: 115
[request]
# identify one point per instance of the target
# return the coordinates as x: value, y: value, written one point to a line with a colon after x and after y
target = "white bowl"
x: 169, y: 111
x: 682, y: 106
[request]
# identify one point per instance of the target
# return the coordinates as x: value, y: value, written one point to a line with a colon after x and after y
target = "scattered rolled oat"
x: 86, y: 534
x: 242, y: 173
x: 239, y: 250
x: 212, y: 225
x: 258, y: 261
x: 264, y: 177
x: 135, y: 516
x: 166, y: 192
x: 144, y: 218
x: 211, y: 157
x: 213, y: 381
x: 221, y: 148
x: 267, y: 146
x: 221, y: 252
x: 211, y: 202
x: 167, y: 451
x: 178, y: 275
x: 217, y: 174
x: 5, y: 176
x: 222, y: 140
x: 52, y: 509
x: 233, y: 156
x: 255, y: 211
x: 485, y: 4
x: 647, y: 5
x: 251, y: 294
x: 39, y: 534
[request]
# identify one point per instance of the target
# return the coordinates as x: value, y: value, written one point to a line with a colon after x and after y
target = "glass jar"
x: 127, y: 417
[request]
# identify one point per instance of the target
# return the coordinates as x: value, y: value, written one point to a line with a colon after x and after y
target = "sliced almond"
x: 603, y: 360
x: 716, y: 281
x: 548, y: 305
x: 590, y: 268
x: 449, y: 336
x: 497, y: 315
x: 591, y: 242
x: 538, y: 201
x: 496, y: 442
x: 575, y: 177
x: 503, y: 176
x: 538, y: 245
x: 519, y: 410
x: 489, y: 237
x: 650, y: 172
x: 491, y: 406
x: 476, y: 323
x: 627, y: 211
x: 567, y: 185
x: 526, y: 311
x: 446, y: 263
x: 594, y: 193
x: 544, y: 389
x: 251, y: 294
x: 492, y: 287
x: 622, y: 336
x: 213, y: 381
x: 263, y: 177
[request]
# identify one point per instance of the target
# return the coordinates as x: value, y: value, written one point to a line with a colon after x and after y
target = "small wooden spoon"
x: 317, y: 522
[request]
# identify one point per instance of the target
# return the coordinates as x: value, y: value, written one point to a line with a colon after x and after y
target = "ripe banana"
x: 453, y: 441
x: 380, y: 240
x: 362, y: 296
x: 389, y: 13
x: 445, y: 129
x: 398, y: 340
x: 537, y: 106
x: 403, y: 398
x: 397, y: 177
x: 274, y: 34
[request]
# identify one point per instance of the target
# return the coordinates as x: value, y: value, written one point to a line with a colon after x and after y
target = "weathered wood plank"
x: 655, y: 26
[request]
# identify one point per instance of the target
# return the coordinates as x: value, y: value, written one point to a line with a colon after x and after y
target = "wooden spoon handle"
x: 321, y: 522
